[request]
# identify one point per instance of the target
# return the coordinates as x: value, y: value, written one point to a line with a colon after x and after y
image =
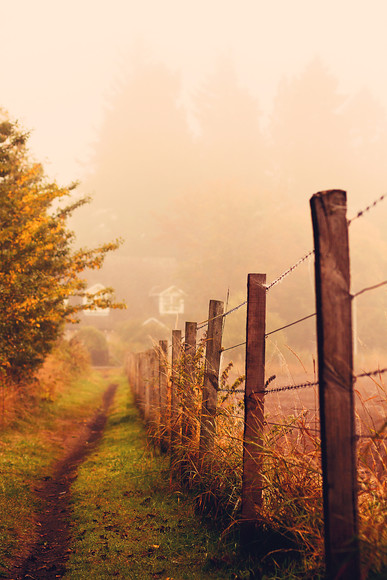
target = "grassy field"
x: 129, y: 521
x: 29, y: 447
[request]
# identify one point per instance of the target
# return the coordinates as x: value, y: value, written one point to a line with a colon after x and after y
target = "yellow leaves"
x: 38, y: 268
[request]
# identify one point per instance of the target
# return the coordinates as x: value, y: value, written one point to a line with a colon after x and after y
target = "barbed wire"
x: 366, y: 209
x: 287, y: 388
x: 304, y: 385
x: 204, y: 323
x: 289, y: 270
x: 371, y: 373
x: 298, y: 263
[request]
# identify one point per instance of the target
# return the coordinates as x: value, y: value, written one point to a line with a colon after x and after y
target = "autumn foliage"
x: 39, y: 268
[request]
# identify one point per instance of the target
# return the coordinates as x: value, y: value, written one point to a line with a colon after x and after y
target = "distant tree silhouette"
x: 143, y: 157
x: 310, y: 135
x: 232, y: 144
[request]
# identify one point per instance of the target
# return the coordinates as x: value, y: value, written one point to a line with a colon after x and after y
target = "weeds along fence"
x: 182, y: 401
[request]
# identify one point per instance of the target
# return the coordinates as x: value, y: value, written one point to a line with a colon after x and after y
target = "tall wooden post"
x: 254, y: 405
x: 175, y: 421
x: 163, y: 390
x: 187, y: 431
x: 211, y: 378
x: 334, y: 335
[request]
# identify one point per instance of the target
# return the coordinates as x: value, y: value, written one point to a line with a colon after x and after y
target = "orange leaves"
x: 39, y: 270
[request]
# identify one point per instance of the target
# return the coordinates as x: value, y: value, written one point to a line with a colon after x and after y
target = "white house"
x: 170, y: 300
x: 96, y: 311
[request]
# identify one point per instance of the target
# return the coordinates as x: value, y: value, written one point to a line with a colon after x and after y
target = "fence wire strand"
x: 369, y: 288
x: 289, y: 270
x: 234, y: 346
x: 371, y: 373
x: 290, y: 324
x: 366, y: 209
x: 309, y: 384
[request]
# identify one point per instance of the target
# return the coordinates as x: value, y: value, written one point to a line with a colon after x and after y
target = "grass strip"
x: 29, y: 448
x: 128, y: 522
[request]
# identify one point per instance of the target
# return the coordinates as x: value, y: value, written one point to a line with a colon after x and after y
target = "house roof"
x: 170, y: 290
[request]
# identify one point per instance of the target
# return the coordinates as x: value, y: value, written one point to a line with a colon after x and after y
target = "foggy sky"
x: 59, y: 61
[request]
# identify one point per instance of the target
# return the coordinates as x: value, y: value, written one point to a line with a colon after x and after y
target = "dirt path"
x: 47, y: 559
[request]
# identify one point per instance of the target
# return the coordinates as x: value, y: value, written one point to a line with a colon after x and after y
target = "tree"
x: 233, y: 149
x: 39, y: 270
x: 144, y: 156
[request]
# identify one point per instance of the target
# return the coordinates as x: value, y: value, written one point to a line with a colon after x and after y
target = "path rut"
x: 47, y: 559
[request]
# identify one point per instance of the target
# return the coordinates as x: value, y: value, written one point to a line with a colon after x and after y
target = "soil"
x: 47, y: 559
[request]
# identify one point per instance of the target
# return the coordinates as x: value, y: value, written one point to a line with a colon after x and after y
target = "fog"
x: 203, y: 195
x: 203, y: 132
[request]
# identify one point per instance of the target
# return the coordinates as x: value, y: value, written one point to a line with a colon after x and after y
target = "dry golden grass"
x: 292, y: 514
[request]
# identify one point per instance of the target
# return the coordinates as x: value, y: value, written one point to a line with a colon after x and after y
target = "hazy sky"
x: 59, y: 59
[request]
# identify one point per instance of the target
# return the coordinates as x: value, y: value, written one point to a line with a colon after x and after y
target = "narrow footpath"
x: 47, y: 559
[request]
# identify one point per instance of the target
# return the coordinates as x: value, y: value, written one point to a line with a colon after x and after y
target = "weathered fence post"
x: 254, y: 405
x: 211, y: 378
x: 147, y: 391
x: 137, y: 379
x: 187, y: 432
x: 141, y: 382
x: 154, y: 393
x: 163, y: 391
x: 334, y: 335
x: 175, y: 400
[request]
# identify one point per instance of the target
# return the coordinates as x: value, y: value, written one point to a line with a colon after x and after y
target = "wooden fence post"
x: 154, y: 393
x: 254, y: 405
x: 334, y: 335
x: 187, y: 431
x: 211, y: 378
x: 136, y: 381
x: 141, y: 382
x: 175, y: 400
x: 147, y: 389
x: 163, y: 391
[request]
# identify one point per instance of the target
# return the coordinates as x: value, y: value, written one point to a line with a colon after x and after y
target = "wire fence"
x: 208, y: 385
x: 298, y: 263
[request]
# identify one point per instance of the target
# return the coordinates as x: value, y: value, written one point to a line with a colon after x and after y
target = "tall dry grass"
x: 291, y: 516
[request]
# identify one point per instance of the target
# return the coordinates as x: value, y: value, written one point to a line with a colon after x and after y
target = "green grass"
x: 128, y: 521
x: 28, y: 450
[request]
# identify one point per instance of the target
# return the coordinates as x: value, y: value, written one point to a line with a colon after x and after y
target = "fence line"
x: 290, y: 269
x: 341, y: 548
